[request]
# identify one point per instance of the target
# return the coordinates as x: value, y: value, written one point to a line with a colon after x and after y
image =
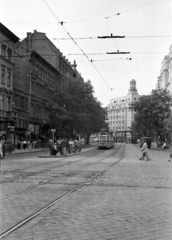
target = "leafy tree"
x: 152, y: 112
x: 78, y: 111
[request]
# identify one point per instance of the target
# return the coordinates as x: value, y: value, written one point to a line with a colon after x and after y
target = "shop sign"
x: 53, y: 130
x: 11, y: 128
x: 31, y: 127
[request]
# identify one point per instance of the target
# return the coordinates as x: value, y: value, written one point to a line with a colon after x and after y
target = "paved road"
x: 131, y: 200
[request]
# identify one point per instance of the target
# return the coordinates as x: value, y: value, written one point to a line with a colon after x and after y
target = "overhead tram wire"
x: 78, y: 45
x: 102, y: 18
x: 80, y: 54
x: 96, y: 38
x: 116, y: 14
x: 91, y: 19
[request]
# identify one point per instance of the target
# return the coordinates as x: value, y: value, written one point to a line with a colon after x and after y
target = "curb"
x: 65, y: 156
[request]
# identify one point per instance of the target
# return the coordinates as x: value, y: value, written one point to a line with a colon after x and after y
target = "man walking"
x: 3, y: 148
x: 144, y: 150
x: 51, y: 145
x: 1, y: 153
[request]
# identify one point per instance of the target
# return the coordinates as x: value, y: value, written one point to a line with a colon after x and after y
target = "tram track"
x: 47, y: 163
x: 89, y: 179
x: 27, y: 174
x: 53, y: 178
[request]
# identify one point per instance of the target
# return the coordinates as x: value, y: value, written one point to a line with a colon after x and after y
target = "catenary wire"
x: 78, y: 45
x: 93, y: 38
x: 93, y: 19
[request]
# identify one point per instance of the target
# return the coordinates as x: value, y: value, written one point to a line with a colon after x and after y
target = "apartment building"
x: 120, y: 117
x: 41, y: 71
x: 8, y: 41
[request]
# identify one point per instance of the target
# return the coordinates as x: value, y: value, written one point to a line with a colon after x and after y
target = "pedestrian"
x: 79, y: 145
x: 3, y: 148
x: 75, y: 145
x: 24, y: 144
x: 63, y: 144
x: 71, y: 143
x: 51, y: 145
x: 28, y: 144
x: 55, y: 149
x: 144, y: 150
x: 1, y: 154
x: 170, y: 153
x: 164, y: 145
x: 18, y: 144
x: 67, y: 146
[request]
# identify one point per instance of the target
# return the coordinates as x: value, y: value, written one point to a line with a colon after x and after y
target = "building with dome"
x: 120, y: 118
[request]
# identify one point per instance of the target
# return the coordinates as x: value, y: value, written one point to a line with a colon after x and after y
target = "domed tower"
x: 133, y: 86
x: 132, y: 93
x: 132, y: 97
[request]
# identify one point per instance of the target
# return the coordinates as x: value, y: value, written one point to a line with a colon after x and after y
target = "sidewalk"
x: 85, y: 148
x: 27, y: 150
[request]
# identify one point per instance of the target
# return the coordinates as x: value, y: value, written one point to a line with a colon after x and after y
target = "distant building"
x: 165, y: 78
x: 7, y: 113
x: 120, y: 117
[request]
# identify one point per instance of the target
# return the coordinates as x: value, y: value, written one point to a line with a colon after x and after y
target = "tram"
x: 105, y: 140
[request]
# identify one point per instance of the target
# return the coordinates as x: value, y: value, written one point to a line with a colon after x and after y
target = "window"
x: 9, y: 53
x: 2, y: 102
x: 22, y: 102
x: 8, y: 103
x: 8, y: 77
x: 26, y: 104
x: 3, y: 74
x: 33, y: 86
x: 3, y: 50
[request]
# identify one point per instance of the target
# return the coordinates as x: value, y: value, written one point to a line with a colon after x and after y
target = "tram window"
x: 102, y: 137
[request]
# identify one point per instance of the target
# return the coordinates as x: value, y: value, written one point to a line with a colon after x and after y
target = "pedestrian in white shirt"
x: 1, y: 153
x: 144, y: 150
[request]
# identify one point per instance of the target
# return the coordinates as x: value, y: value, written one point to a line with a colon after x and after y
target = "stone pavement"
x: 131, y: 201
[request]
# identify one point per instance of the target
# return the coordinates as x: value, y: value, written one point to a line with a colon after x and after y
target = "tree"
x: 83, y: 113
x: 152, y: 112
x: 56, y: 115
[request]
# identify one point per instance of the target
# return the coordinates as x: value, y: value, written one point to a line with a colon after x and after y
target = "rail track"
x: 27, y: 174
x: 48, y: 180
x: 90, y: 178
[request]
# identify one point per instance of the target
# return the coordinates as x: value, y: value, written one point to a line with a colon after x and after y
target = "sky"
x: 146, y: 25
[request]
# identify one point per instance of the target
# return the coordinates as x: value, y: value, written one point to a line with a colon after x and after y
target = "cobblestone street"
x: 132, y: 200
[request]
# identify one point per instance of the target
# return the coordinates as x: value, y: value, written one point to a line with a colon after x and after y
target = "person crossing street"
x: 144, y: 150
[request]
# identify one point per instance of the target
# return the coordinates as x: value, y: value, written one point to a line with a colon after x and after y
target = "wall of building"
x: 7, y: 114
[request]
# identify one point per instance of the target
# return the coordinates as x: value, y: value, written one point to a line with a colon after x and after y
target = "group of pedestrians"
x: 64, y: 146
x: 25, y: 144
